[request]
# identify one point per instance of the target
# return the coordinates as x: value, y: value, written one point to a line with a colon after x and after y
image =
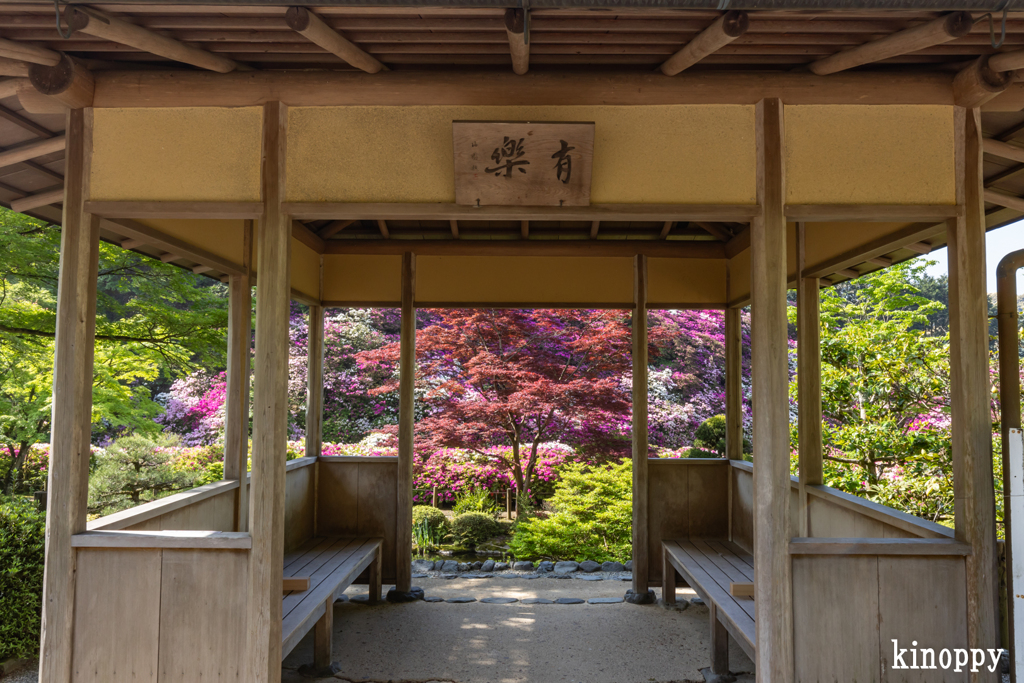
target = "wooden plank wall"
x: 299, y: 503
x: 356, y: 497
x: 686, y: 498
x: 212, y: 514
x: 906, y: 598
x: 155, y: 616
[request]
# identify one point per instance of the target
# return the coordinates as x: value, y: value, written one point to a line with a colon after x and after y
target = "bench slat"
x: 733, y: 573
x: 709, y: 564
x: 734, y: 558
x: 325, y: 567
x: 306, y: 546
x: 301, y: 617
x: 314, y: 557
x: 736, y: 620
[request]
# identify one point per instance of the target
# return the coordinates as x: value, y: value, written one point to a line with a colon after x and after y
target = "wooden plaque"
x: 522, y: 164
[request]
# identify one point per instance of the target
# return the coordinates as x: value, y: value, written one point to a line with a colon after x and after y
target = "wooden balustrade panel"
x: 687, y: 499
x: 210, y: 514
x: 299, y: 505
x: 357, y: 497
x: 742, y: 514
x: 159, y: 615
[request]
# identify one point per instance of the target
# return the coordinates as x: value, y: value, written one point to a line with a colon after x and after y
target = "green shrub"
x: 592, y: 520
x: 473, y: 500
x: 431, y: 517
x: 470, y: 529
x: 134, y: 470
x: 701, y: 453
x: 22, y: 532
x: 710, y: 436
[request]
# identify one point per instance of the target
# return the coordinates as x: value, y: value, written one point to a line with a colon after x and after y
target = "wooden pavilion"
x: 309, y: 151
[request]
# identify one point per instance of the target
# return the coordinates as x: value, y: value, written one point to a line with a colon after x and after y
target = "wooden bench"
x: 332, y: 563
x: 709, y: 567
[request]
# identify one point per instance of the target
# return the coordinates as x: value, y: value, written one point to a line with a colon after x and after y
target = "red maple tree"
x: 519, y: 378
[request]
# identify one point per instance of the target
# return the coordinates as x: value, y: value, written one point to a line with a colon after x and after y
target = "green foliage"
x: 592, y: 520
x: 709, y: 439
x: 470, y: 529
x: 425, y: 536
x: 153, y: 322
x: 134, y: 470
x: 22, y: 531
x: 473, y: 500
x: 701, y: 453
x: 431, y: 516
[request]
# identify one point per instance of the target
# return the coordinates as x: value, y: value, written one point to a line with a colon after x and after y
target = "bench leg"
x: 375, y: 578
x: 719, y: 644
x: 322, y: 632
x: 668, y: 580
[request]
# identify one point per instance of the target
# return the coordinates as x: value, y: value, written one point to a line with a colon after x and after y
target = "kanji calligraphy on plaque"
x: 522, y: 164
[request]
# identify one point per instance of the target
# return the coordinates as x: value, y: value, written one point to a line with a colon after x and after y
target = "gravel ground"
x: 29, y: 675
x: 518, y: 643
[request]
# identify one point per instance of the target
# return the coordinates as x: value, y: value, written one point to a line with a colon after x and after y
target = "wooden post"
x: 808, y: 381
x: 315, y: 382
x: 68, y: 478
x: 236, y: 401
x: 733, y: 384
x: 640, y: 542
x: 773, y: 594
x: 973, y: 491
x: 719, y: 643
x: 270, y: 414
x: 407, y: 382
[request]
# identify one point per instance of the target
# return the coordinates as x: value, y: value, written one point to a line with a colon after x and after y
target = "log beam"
x: 236, y: 399
x: 973, y: 488
x: 333, y: 228
x: 67, y: 82
x: 773, y: 595
x: 941, y: 30
x: 270, y: 411
x: 665, y: 230
x: 1003, y: 199
x: 594, y: 227
x: 641, y: 558
x: 1003, y: 150
x: 406, y: 425
x: 22, y: 52
x: 979, y: 82
x: 383, y: 227
x: 455, y: 228
x: 733, y: 384
x: 519, y: 48
x: 68, y: 477
x: 34, y: 201
x: 304, y: 22
x: 315, y: 382
x: 32, y: 150
x: 96, y: 23
x: 808, y: 379
x: 524, y: 229
x: 720, y: 33
x: 13, y: 67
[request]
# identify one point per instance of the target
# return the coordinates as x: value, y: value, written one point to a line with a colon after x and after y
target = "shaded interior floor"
x: 515, y: 643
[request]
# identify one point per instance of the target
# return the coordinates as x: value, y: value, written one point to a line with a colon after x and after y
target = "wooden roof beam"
x: 333, y: 228
x: 455, y: 228
x: 10, y: 49
x: 941, y: 30
x: 1002, y: 199
x: 304, y: 22
x: 34, y: 201
x: 16, y: 155
x: 69, y: 82
x: 594, y: 227
x: 882, y: 261
x: 716, y: 230
x: 383, y: 227
x: 95, y: 23
x: 1003, y: 150
x: 919, y: 247
x: 515, y: 27
x: 13, y: 67
x: 723, y: 31
x: 978, y: 83
x: 524, y: 229
x: 666, y: 229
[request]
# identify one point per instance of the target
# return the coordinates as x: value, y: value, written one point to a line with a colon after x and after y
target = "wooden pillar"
x: 733, y: 384
x: 270, y: 414
x: 770, y: 379
x: 67, y: 487
x: 640, y: 513
x: 236, y: 401
x: 808, y: 381
x: 315, y: 382
x: 407, y: 382
x: 973, y: 492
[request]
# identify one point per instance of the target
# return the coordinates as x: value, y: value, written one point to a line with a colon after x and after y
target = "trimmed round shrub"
x: 701, y: 453
x: 434, y: 518
x: 22, y: 530
x: 473, y: 528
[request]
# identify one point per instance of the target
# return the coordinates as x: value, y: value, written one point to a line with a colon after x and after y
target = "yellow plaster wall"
x: 223, y: 238
x: 860, y: 154
x: 686, y: 281
x: 351, y: 278
x: 651, y: 154
x: 825, y: 241
x: 177, y: 154
x: 305, y: 270
x: 524, y: 279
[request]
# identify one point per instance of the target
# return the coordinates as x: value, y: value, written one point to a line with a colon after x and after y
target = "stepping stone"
x: 589, y: 566
x: 696, y: 601
x: 419, y: 576
x: 459, y: 601
x: 569, y: 601
x: 479, y: 576
x: 510, y: 576
x: 537, y: 601
x: 566, y: 567
x: 604, y: 601
x: 433, y: 598
x: 499, y: 601
x: 590, y: 578
x: 449, y: 576
x: 422, y: 565
x: 364, y: 599
x: 559, y: 576
x: 530, y: 576
x: 613, y: 567
x: 626, y: 578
